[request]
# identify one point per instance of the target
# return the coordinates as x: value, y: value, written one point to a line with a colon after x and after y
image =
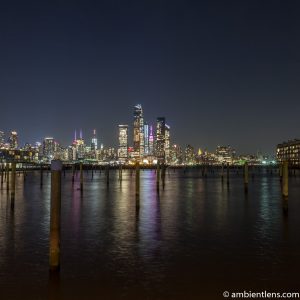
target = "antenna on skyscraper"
x: 81, y: 134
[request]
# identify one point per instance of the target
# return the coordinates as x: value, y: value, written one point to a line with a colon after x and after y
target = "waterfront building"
x: 138, y: 131
x: 289, y: 151
x: 225, y: 154
x: 176, y: 155
x: 167, y: 143
x: 146, y: 139
x: 48, y: 148
x: 94, y: 144
x: 189, y: 155
x: 123, y: 143
x: 160, y: 138
x: 151, y: 140
x: 13, y: 140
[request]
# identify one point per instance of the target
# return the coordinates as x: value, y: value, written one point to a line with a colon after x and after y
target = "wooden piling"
x: 137, y: 179
x: 54, y: 242
x: 246, y: 176
x: 227, y: 173
x: 107, y: 175
x: 157, y: 176
x: 285, y: 179
x: 13, y: 184
x: 81, y: 177
x: 7, y: 176
x: 41, y: 175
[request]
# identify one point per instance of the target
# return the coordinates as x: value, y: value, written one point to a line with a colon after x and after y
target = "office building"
x: 289, y: 151
x: 138, y: 131
x: 123, y: 143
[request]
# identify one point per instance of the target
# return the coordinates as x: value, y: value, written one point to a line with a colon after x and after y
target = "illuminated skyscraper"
x: 123, y: 143
x: 94, y: 144
x: 138, y: 131
x: 160, y: 138
x: 167, y: 143
x: 151, y: 140
x: 48, y: 148
x: 146, y: 138
x: 2, y: 140
x: 13, y: 140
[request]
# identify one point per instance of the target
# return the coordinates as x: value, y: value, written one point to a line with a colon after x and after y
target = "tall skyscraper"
x: 146, y: 139
x: 2, y: 139
x: 123, y: 143
x: 138, y: 131
x: 48, y: 148
x: 94, y: 144
x: 151, y: 140
x: 167, y: 143
x: 13, y: 140
x: 160, y: 138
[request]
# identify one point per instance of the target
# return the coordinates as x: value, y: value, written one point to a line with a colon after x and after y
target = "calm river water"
x: 193, y: 240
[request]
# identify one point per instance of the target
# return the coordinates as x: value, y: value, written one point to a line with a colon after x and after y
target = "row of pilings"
x: 8, y: 175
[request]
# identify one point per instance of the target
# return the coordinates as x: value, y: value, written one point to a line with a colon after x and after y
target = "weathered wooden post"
x: 41, y: 175
x: 107, y: 175
x: 13, y: 184
x: 137, y: 179
x: 120, y: 173
x: 246, y: 176
x: 54, y: 243
x: 222, y: 172
x: 163, y: 177
x: 7, y: 176
x: 73, y: 172
x: 157, y: 176
x: 81, y: 177
x: 227, y: 173
x: 285, y: 179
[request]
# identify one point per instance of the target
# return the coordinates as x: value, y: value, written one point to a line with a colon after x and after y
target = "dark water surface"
x: 194, y: 240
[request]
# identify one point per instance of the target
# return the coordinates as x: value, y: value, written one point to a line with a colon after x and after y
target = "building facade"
x: 289, y: 151
x: 138, y: 131
x: 160, y: 138
x: 123, y: 143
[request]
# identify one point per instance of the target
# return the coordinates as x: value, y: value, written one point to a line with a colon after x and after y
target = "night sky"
x: 221, y: 72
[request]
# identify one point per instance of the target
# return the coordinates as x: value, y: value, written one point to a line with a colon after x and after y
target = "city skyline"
x: 224, y: 73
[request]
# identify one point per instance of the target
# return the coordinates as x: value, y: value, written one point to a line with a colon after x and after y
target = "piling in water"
x: 107, y: 175
x: 13, y: 184
x: 227, y: 173
x: 157, y: 176
x: 137, y: 179
x: 41, y: 175
x: 7, y: 177
x: 54, y: 243
x: 246, y: 177
x: 81, y: 177
x: 285, y: 179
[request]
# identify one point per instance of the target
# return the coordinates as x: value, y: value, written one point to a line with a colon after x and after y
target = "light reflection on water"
x: 196, y: 237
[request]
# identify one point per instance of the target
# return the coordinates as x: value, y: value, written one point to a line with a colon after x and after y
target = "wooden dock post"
x: 285, y: 179
x: 157, y: 176
x: 54, y: 242
x: 81, y: 177
x: 227, y: 174
x: 41, y: 176
x: 13, y: 184
x: 137, y: 179
x: 246, y: 176
x: 7, y: 176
